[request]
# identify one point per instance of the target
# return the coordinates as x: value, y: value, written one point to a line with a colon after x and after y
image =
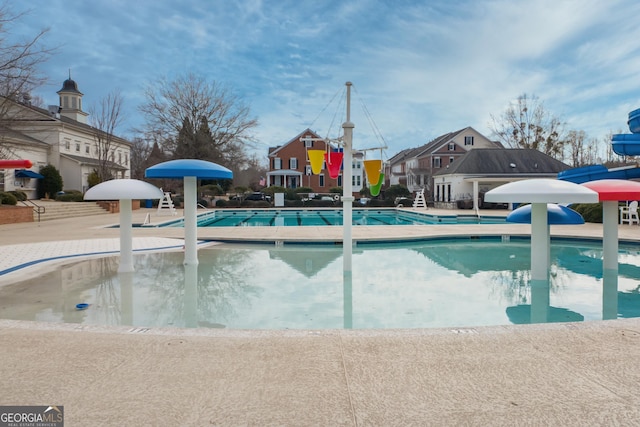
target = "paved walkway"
x: 557, y: 374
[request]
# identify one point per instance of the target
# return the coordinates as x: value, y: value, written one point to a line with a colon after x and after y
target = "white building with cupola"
x: 59, y: 135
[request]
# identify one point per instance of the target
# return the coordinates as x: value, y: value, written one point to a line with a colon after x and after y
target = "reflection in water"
x: 438, y: 284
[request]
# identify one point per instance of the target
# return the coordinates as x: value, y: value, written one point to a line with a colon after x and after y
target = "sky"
x: 419, y: 69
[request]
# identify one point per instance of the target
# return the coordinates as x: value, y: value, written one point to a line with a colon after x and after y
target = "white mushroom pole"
x: 190, y: 221
x: 126, y: 237
x: 539, y: 242
x: 347, y: 192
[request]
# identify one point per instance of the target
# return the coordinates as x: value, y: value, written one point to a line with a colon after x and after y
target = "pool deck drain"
x: 555, y: 374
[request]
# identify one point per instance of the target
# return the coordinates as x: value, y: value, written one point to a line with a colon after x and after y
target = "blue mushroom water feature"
x: 556, y: 215
x: 189, y: 170
x: 628, y: 144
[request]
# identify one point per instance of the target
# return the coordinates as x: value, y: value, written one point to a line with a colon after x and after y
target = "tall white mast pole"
x: 347, y: 192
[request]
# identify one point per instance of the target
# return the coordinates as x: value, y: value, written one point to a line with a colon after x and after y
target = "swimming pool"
x: 322, y: 217
x: 446, y: 283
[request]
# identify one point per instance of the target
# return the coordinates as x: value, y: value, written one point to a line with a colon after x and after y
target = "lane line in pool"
x: 246, y: 219
x: 326, y: 221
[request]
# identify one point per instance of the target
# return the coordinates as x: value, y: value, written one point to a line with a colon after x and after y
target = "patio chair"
x: 629, y: 214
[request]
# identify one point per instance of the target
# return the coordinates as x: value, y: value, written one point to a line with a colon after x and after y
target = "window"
x: 293, y: 163
x: 67, y: 144
x: 451, y: 159
x: 321, y: 176
x: 87, y: 148
x: 119, y: 157
x: 307, y: 170
x: 308, y: 143
x: 277, y: 163
x: 126, y: 159
x: 339, y: 180
x: 77, y: 147
x: 436, y: 162
x: 452, y: 146
x: 355, y: 180
x: 468, y: 140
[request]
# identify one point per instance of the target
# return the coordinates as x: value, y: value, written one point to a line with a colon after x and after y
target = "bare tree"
x: 527, y: 124
x: 140, y: 151
x: 192, y: 99
x: 105, y: 119
x: 19, y: 70
x: 576, y: 142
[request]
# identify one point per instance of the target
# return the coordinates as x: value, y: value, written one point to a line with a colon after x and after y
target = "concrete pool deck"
x: 553, y: 374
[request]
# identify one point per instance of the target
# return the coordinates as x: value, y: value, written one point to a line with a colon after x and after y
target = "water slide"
x: 595, y: 172
x: 625, y: 144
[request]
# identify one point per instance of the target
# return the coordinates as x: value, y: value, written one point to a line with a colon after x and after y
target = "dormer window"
x: 452, y: 146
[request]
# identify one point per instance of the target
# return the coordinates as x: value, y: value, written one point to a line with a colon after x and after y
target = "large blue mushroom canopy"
x: 180, y: 168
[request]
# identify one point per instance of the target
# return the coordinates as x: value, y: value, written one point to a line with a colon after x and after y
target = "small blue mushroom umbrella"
x: 556, y: 215
x: 190, y: 170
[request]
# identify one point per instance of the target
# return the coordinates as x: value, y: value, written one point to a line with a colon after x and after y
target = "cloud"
x: 421, y: 68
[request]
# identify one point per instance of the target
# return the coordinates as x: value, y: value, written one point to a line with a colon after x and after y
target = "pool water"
x: 322, y: 217
x: 456, y: 283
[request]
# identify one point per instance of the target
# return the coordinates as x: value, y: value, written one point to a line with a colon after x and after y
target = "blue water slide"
x: 634, y: 121
x: 595, y: 172
x: 628, y: 144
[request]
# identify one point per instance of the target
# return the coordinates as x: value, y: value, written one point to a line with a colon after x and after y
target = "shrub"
x: 255, y: 204
x: 379, y: 203
x: 291, y: 194
x: 20, y: 196
x: 337, y: 190
x: 591, y: 212
x: 295, y: 204
x: 7, y: 199
x: 93, y: 178
x: 396, y: 191
x: 73, y: 196
x: 304, y: 190
x: 204, y: 202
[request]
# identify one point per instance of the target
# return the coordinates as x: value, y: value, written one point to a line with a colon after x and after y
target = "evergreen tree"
x: 51, y: 183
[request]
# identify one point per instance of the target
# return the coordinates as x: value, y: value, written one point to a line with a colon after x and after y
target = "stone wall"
x: 15, y: 214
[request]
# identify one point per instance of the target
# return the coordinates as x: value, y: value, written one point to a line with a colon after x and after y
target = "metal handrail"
x: 36, y: 207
